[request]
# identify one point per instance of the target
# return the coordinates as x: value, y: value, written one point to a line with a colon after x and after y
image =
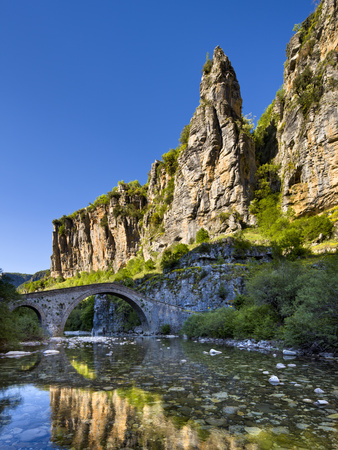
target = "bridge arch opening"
x: 29, y: 322
x: 112, y: 299
x: 30, y: 311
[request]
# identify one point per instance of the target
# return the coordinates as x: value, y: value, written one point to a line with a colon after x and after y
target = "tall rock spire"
x: 216, y: 171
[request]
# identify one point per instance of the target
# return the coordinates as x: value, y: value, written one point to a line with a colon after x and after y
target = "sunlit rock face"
x: 216, y: 171
x: 213, y: 183
x: 306, y: 118
x: 215, y: 174
x: 97, y: 238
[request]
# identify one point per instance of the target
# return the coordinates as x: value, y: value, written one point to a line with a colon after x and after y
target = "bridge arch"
x: 126, y: 294
x: 35, y: 307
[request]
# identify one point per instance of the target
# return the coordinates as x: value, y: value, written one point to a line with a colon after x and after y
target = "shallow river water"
x: 149, y: 393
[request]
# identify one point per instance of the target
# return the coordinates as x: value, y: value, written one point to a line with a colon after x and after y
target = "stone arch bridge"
x: 53, y: 307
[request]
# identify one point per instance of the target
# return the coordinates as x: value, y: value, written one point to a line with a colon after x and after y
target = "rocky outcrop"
x: 106, y: 319
x: 211, y: 174
x: 305, y: 115
x: 216, y: 169
x: 101, y: 237
x: 207, y: 278
x: 208, y: 181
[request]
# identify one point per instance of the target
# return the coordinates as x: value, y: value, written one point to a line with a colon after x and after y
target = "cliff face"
x: 208, y: 181
x: 102, y: 237
x: 305, y: 116
x: 216, y: 169
x: 213, y: 174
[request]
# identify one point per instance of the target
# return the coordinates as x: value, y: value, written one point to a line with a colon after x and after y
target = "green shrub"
x: 149, y: 265
x: 185, y: 135
x: 27, y: 325
x: 224, y: 216
x: 258, y: 322
x: 314, y: 324
x: 170, y: 161
x: 207, y: 65
x: 62, y: 230
x: 104, y: 221
x: 217, y: 324
x: 165, y: 329
x: 241, y: 245
x: 223, y: 291
x: 171, y: 255
x: 202, y: 236
x: 276, y: 285
x: 308, y: 88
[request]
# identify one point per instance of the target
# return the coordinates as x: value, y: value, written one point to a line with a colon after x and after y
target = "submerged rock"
x: 51, y: 352
x: 280, y: 366
x: 16, y: 354
x: 213, y: 352
x: 274, y: 380
x: 319, y: 391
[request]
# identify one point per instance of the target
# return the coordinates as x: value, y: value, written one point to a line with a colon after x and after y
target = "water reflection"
x: 124, y: 419
x: 149, y: 393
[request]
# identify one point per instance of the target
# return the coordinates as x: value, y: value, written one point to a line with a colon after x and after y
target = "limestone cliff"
x: 101, y: 237
x: 210, y: 174
x: 303, y: 133
x: 208, y: 180
x: 216, y: 168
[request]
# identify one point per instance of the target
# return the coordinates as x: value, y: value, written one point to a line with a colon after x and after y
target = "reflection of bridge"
x: 53, y: 307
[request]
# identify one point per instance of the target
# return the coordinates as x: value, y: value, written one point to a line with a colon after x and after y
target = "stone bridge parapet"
x: 53, y: 307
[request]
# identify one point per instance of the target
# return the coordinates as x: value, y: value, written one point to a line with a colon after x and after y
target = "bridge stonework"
x: 53, y: 307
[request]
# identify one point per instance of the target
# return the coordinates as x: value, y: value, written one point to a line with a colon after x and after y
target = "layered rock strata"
x: 214, y: 175
x: 305, y: 115
x: 208, y: 181
x: 98, y: 238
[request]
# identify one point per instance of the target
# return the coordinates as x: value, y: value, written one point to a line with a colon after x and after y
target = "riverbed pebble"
x: 319, y: 391
x: 321, y: 403
x: 289, y: 353
x: 274, y: 380
x: 51, y: 352
x: 16, y: 354
x: 214, y: 352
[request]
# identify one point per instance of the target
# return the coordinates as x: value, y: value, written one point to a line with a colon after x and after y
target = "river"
x: 150, y: 393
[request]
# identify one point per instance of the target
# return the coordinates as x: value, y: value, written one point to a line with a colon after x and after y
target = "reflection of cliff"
x: 119, y: 419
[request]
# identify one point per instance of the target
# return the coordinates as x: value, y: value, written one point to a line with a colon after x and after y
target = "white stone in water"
x: 51, y: 352
x: 291, y: 365
x: 319, y: 391
x: 16, y: 354
x: 321, y: 403
x: 307, y: 400
x: 280, y: 366
x: 274, y: 380
x: 213, y: 352
x: 253, y: 431
x: 266, y: 372
x: 183, y: 360
x: 289, y: 353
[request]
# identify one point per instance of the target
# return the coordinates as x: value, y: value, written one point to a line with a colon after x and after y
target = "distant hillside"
x: 20, y: 278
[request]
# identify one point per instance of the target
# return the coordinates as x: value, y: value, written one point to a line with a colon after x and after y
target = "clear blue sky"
x: 93, y: 91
